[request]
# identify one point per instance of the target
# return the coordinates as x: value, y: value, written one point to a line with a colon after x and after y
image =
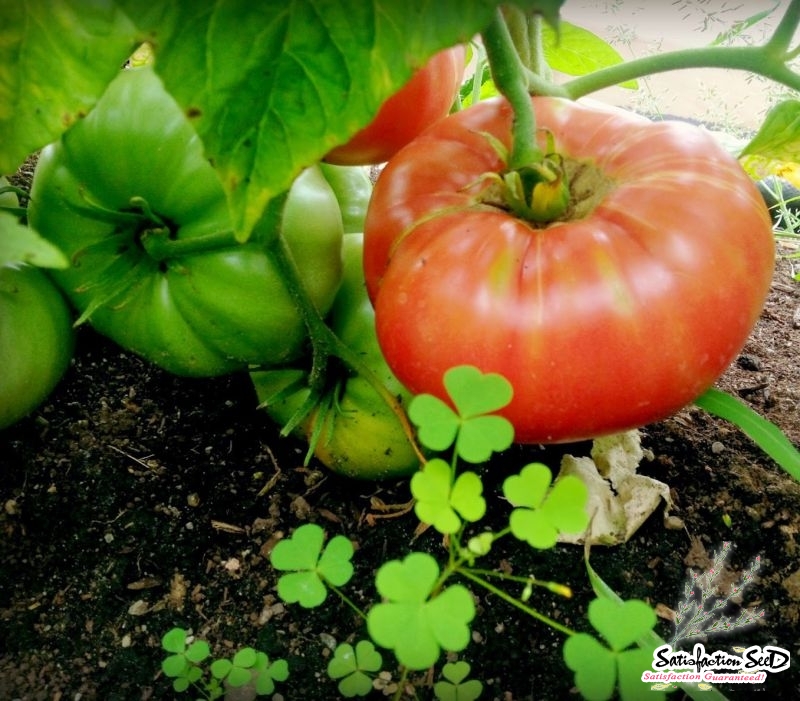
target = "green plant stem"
x: 533, y: 613
x: 517, y: 23
x: 554, y: 587
x: 778, y: 45
x: 510, y: 78
x: 401, y: 684
x: 326, y: 344
x: 346, y: 599
x: 754, y: 59
x: 539, y: 64
x: 159, y: 244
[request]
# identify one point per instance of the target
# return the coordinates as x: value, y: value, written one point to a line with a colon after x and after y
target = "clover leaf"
x: 411, y: 622
x: 266, y: 673
x: 310, y: 566
x: 350, y: 665
x: 599, y: 669
x: 455, y: 688
x: 440, y: 502
x: 542, y: 515
x: 477, y: 433
x: 236, y: 672
x: 183, y: 664
x: 249, y: 665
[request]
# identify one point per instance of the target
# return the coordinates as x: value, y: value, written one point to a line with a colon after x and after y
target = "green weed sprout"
x: 454, y: 688
x: 312, y: 568
x: 599, y: 669
x: 422, y: 612
x: 351, y: 666
x: 543, y: 512
x: 184, y: 665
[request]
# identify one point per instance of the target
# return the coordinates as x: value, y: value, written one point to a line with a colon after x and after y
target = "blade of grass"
x: 765, y: 434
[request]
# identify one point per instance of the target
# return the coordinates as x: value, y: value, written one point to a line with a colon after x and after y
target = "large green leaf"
x: 56, y: 59
x: 577, y: 51
x: 779, y: 135
x: 272, y: 86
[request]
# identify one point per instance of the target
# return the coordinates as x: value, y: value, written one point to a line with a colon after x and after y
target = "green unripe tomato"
x: 131, y: 199
x: 36, y: 336
x: 352, y: 429
x: 353, y: 188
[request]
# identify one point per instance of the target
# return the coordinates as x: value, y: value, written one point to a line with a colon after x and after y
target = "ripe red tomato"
x: 613, y: 318
x: 426, y: 98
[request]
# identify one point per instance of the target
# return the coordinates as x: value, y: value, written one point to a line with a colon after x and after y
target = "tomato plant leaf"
x: 416, y: 627
x: 272, y: 87
x: 21, y: 244
x: 779, y: 136
x: 764, y: 433
x: 577, y: 51
x: 55, y: 61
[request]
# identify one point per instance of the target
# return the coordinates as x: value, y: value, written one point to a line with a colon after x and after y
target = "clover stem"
x: 346, y: 599
x: 554, y: 587
x: 401, y: 684
x: 516, y: 603
x: 325, y: 344
x: 508, y: 73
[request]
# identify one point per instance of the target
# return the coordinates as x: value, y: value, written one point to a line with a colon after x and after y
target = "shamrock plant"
x: 190, y: 665
x: 422, y: 612
x: 453, y: 687
x: 312, y: 568
x: 600, y: 668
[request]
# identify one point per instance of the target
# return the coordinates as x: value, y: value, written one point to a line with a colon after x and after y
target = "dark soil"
x: 134, y: 501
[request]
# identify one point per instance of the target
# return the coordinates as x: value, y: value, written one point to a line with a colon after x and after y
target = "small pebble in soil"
x: 717, y: 447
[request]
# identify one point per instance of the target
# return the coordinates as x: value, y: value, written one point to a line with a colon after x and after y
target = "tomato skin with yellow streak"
x: 616, y: 316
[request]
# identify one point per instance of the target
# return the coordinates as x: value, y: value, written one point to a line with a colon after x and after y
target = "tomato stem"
x: 769, y: 60
x: 778, y: 43
x: 325, y: 344
x: 160, y: 243
x: 510, y: 78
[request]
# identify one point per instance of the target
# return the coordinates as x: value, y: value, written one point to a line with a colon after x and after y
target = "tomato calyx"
x: 556, y: 190
x: 538, y: 192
